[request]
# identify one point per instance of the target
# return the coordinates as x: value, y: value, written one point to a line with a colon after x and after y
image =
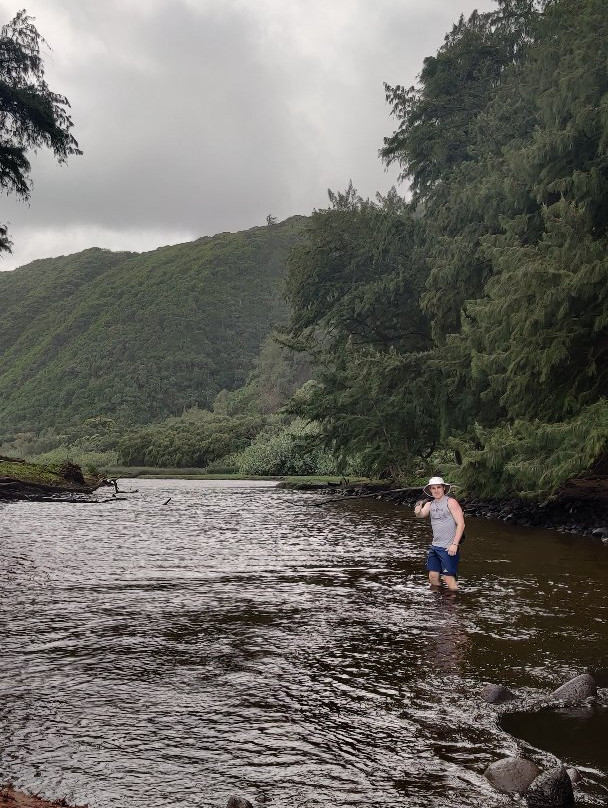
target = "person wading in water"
x: 447, y: 523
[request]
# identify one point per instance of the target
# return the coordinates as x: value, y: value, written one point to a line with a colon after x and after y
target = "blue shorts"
x: 439, y: 560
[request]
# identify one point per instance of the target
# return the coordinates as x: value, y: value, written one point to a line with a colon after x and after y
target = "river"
x: 239, y: 640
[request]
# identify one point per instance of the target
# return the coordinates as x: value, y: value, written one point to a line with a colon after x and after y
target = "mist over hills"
x: 138, y: 337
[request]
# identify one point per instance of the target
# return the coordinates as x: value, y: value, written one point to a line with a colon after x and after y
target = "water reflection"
x: 232, y: 642
x: 450, y: 642
x: 571, y: 733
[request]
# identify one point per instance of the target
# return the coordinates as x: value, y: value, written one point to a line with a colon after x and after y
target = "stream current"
x: 240, y: 640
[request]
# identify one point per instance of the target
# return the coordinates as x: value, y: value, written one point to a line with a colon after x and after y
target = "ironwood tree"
x: 31, y: 114
x: 504, y: 143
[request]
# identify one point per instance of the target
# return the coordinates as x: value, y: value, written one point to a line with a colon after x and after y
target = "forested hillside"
x: 467, y: 328
x: 137, y: 338
x: 241, y: 432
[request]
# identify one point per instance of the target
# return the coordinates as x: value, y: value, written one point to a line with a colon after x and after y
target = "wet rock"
x: 600, y: 532
x: 577, y: 689
x: 238, y: 802
x: 496, y: 694
x: 574, y: 775
x: 551, y: 789
x: 512, y: 774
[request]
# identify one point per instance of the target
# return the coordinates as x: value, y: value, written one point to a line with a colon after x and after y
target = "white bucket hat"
x: 437, y: 481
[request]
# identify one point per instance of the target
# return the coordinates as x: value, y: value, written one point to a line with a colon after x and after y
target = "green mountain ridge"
x: 138, y: 337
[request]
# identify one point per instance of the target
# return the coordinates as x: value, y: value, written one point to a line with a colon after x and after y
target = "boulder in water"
x: 577, y: 689
x: 574, y: 775
x: 496, y: 694
x: 238, y: 802
x: 551, y: 789
x: 512, y: 774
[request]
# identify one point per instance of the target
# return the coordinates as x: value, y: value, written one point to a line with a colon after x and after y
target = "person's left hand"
x: 452, y: 549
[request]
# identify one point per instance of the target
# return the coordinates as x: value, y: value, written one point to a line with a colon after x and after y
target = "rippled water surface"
x: 240, y: 640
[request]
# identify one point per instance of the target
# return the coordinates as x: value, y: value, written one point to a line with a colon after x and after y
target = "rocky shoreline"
x: 583, y: 516
x: 554, y: 787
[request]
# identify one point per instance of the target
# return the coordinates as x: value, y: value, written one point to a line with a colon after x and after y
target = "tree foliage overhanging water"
x: 474, y: 317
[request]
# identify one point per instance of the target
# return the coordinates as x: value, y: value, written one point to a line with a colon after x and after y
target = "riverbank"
x: 566, y: 514
x: 9, y: 798
x: 22, y: 480
x: 169, y: 473
x: 581, y: 509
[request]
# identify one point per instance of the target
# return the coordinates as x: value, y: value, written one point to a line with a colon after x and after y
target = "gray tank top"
x: 442, y: 522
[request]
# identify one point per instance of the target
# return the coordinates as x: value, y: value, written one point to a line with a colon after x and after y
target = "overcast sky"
x: 201, y: 116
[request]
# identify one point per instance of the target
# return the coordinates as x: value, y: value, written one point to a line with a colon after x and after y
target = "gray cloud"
x: 198, y: 116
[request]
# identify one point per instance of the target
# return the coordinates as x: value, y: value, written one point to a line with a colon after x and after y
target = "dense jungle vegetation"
x: 461, y: 329
x: 470, y: 323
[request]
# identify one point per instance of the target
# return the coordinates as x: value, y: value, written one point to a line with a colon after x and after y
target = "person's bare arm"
x: 422, y: 508
x: 458, y: 515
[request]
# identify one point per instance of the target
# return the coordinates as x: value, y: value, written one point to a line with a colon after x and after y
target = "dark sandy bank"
x: 9, y: 798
